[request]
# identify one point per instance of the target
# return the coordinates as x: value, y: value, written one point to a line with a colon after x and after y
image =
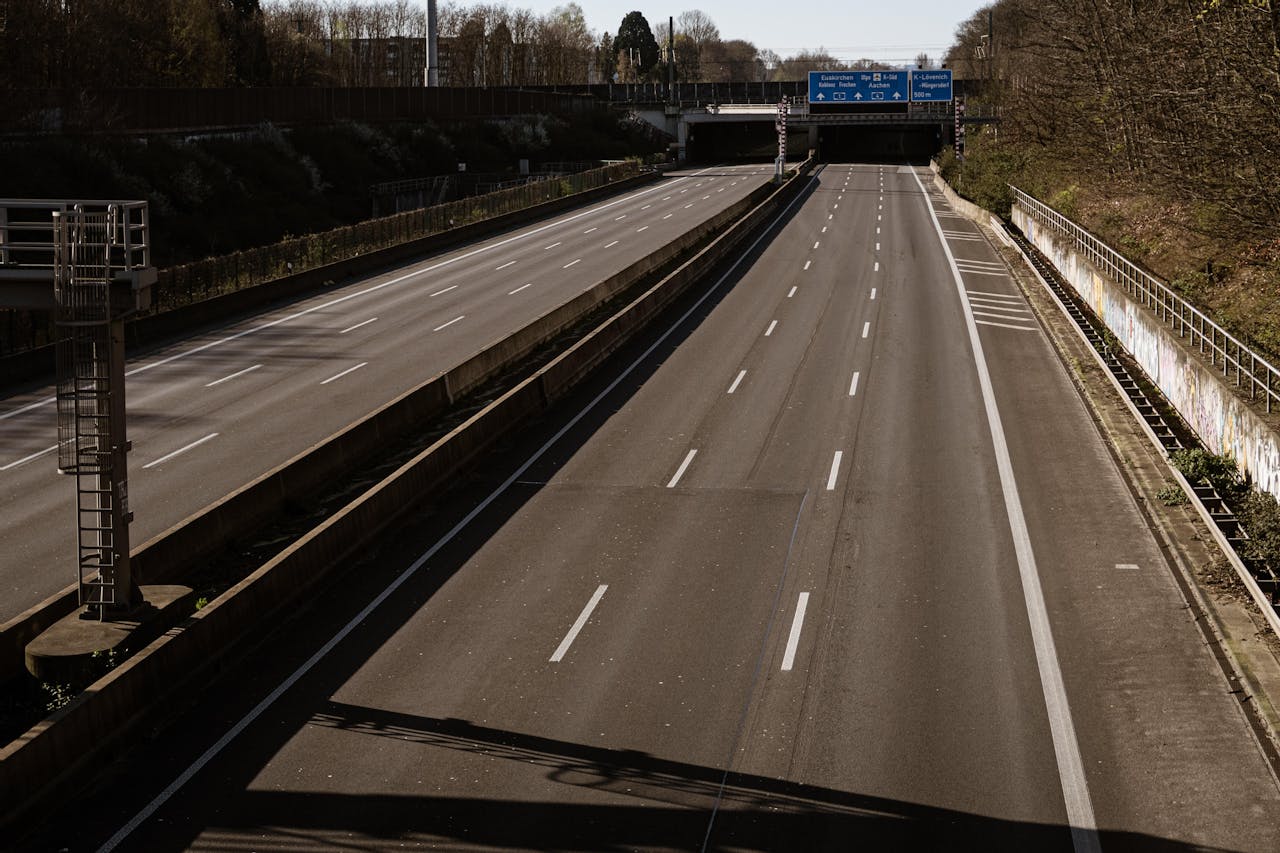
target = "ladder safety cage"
x: 89, y: 264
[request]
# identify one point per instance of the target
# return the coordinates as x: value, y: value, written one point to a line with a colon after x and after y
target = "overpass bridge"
x: 708, y: 121
x: 713, y: 130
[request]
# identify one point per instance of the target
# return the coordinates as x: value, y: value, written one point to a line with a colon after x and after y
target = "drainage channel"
x: 1159, y: 418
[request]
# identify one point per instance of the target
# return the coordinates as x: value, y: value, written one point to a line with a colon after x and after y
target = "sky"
x: 849, y: 29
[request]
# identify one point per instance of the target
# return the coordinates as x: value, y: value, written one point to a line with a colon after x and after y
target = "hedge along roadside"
x: 200, y: 280
x: 165, y: 557
x: 222, y: 306
x: 72, y: 744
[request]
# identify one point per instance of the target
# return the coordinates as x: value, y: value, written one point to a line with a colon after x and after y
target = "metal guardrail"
x: 1223, y: 349
x: 28, y: 247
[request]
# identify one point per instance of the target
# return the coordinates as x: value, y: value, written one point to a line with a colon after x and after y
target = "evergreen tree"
x: 635, y: 34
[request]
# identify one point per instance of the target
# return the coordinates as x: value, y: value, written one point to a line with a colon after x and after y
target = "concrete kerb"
x: 163, y: 557
x: 46, y: 760
x: 156, y: 328
x: 964, y: 207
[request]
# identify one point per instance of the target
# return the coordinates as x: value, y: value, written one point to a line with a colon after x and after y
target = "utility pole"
x: 433, y: 45
x: 671, y: 58
x: 991, y: 45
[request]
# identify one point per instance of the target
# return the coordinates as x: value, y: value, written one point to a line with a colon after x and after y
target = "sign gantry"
x: 880, y: 87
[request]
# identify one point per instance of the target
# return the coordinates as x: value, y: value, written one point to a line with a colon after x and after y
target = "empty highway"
x: 209, y: 414
x: 839, y: 562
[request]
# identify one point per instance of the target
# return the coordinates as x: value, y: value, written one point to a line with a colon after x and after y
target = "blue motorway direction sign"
x: 931, y: 86
x: 858, y: 87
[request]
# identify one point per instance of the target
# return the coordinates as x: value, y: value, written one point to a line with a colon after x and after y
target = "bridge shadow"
x: 595, y: 798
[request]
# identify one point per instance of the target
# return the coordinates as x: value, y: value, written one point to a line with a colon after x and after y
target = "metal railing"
x: 1222, y: 349
x: 27, y: 244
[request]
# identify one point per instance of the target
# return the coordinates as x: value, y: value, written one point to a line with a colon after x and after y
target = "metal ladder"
x: 88, y: 410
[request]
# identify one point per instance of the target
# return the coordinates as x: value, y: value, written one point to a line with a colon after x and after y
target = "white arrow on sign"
x: 897, y: 96
x: 858, y: 97
x: 821, y: 97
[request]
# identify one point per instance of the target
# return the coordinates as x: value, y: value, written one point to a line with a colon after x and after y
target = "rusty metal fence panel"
x: 1222, y: 349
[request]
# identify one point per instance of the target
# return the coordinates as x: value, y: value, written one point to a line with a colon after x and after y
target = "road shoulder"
x: 1233, y: 627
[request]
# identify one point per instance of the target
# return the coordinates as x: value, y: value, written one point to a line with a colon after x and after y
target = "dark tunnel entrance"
x: 754, y: 141
x: 914, y: 144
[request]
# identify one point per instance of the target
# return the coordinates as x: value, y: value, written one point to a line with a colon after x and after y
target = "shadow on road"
x: 675, y: 806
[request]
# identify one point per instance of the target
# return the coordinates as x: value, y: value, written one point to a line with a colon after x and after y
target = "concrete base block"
x: 70, y: 650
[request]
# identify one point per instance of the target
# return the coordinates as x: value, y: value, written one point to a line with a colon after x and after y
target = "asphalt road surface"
x: 209, y: 414
x: 840, y: 562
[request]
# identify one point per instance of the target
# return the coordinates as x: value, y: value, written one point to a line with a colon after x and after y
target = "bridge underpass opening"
x: 757, y: 141
x: 914, y: 144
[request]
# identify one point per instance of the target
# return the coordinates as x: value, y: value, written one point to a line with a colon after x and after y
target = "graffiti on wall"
x: 1223, y: 421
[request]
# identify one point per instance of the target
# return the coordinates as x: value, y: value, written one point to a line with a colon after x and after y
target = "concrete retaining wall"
x: 144, y: 331
x: 46, y: 762
x: 1223, y: 421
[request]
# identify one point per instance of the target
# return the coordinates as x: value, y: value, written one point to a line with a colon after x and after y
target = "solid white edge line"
x: 339, y: 300
x: 344, y: 373
x: 38, y: 454
x: 853, y: 386
x: 683, y: 467
x: 242, y: 372
x: 835, y: 470
x: 180, y: 450
x: 1075, y: 787
x: 579, y: 624
x: 450, y: 323
x: 793, y: 641
x: 732, y: 388
x: 320, y: 654
x: 357, y: 325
